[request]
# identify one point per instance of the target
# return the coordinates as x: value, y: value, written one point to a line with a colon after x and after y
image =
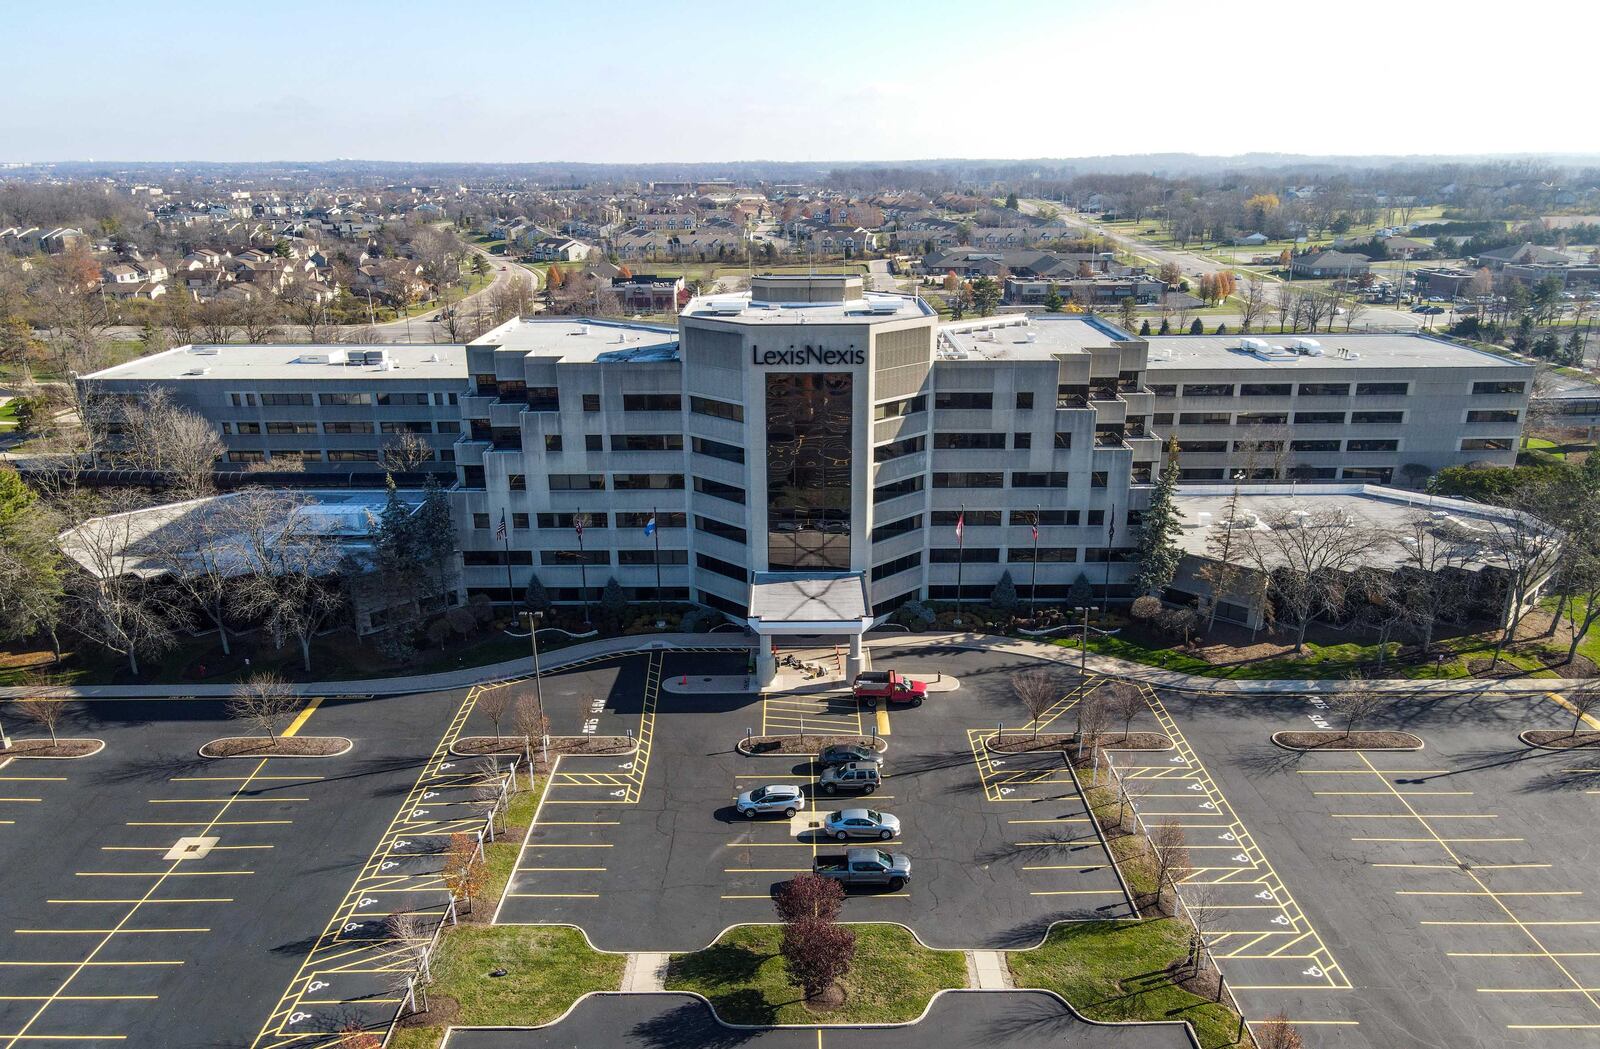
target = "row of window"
x: 976, y: 555
x: 1367, y: 418
x: 340, y: 428
x: 316, y: 455
x: 1282, y: 389
x: 413, y: 398
x: 547, y: 399
x: 572, y: 558
x: 991, y: 519
x: 1329, y: 445
x: 1374, y: 474
x: 624, y: 519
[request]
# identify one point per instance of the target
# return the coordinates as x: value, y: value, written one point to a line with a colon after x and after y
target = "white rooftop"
x: 832, y: 600
x: 584, y: 340
x: 295, y: 361
x: 872, y: 308
x: 1025, y: 337
x: 1337, y: 350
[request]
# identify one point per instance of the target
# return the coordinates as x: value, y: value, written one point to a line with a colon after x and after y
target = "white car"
x: 774, y: 798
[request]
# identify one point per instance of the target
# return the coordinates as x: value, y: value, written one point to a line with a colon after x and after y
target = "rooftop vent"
x: 198, y: 371
x: 204, y: 351
x: 883, y: 306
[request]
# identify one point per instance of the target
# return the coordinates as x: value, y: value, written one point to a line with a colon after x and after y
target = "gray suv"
x: 856, y: 777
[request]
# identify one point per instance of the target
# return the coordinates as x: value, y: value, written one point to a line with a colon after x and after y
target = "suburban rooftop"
x: 389, y: 362
x: 583, y: 340
x: 1021, y: 337
x: 1380, y: 350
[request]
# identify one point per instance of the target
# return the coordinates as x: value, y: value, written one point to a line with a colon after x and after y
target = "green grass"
x: 8, y: 415
x: 1116, y: 971
x: 891, y: 981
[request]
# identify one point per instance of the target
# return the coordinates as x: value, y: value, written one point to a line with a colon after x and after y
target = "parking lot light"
x: 1083, y: 656
x: 534, y: 619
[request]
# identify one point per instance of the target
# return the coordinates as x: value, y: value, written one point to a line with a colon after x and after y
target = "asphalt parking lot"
x: 646, y: 852
x: 104, y: 937
x: 1004, y: 1020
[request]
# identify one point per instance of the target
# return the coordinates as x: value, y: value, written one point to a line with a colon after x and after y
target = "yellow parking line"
x: 78, y: 998
x: 301, y: 718
x: 1514, y: 924
x: 561, y: 868
x: 1384, y: 793
x: 1521, y: 954
x: 765, y: 870
x: 99, y: 932
x: 1065, y: 867
x: 157, y: 874
x: 883, y: 722
x: 1442, y: 841
x: 1058, y: 819
x: 209, y: 823
x: 1079, y: 892
x: 1538, y: 990
x: 236, y: 779
x: 1411, y: 816
x: 1588, y: 719
x: 76, y: 965
x: 21, y: 800
x: 221, y: 801
x: 554, y: 895
x: 1497, y: 892
x: 192, y: 899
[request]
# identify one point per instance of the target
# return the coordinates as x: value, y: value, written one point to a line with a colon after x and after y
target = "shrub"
x: 915, y: 615
x: 1146, y: 608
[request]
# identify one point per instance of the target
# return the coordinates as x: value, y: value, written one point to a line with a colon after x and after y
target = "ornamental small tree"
x: 1196, y: 328
x: 1159, y: 552
x: 1004, y: 595
x: 1144, y: 329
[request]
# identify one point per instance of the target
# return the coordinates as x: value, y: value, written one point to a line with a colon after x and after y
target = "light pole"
x: 534, y: 619
x: 1083, y: 656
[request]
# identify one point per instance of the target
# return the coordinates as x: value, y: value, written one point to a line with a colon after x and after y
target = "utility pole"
x: 1033, y: 586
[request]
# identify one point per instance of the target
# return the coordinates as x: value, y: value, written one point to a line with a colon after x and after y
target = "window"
x: 1205, y: 419
x: 1382, y: 389
x: 1372, y: 446
x: 591, y: 402
x: 646, y: 482
x: 242, y: 400
x: 969, y: 479
x: 471, y: 476
x: 487, y: 385
x: 344, y: 398
x: 1205, y: 446
x: 480, y: 520
x: 647, y: 442
x: 449, y: 426
x: 245, y: 429
x: 898, y: 565
x: 1022, y: 518
x: 808, y: 451
x: 353, y: 456
x: 409, y: 399
x: 1262, y: 418
x: 651, y: 402
x: 1024, y: 400
x: 577, y: 482
x: 648, y: 557
x: 512, y: 391
x: 574, y: 557
x: 972, y: 555
x: 593, y: 442
x: 1207, y: 474
x: 413, y: 426
x: 285, y: 400
x: 895, y: 489
x: 640, y: 518
x: 1313, y: 473
x: 1324, y: 389
x: 713, y: 564
x: 1377, y: 417
x: 519, y: 520
x: 442, y: 399
x: 901, y: 527
x: 1161, y: 419
x: 1063, y: 440
x: 969, y: 441
x: 1495, y: 415
x: 570, y: 520
x: 885, y: 453
x: 1265, y: 389
x: 291, y: 427
x: 552, y: 442
x: 1022, y: 440
x: 1098, y: 479
x: 712, y: 526
x: 1047, y: 554
x: 1208, y: 389
x: 247, y: 457
x: 517, y: 482
x: 706, y: 486
x: 899, y: 409
x: 974, y: 518
x: 717, y: 450
x: 543, y: 399
x: 1317, y: 418
x: 1313, y: 446
x: 1166, y: 389
x: 1486, y: 444
x: 1380, y: 474
x: 1498, y: 387
x: 956, y: 400
x: 1038, y: 479
x: 717, y: 409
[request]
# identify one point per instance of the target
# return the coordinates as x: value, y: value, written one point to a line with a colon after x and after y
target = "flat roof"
x: 1022, y: 337
x: 584, y: 340
x: 293, y: 361
x: 872, y: 308
x: 1367, y: 350
x: 825, y: 599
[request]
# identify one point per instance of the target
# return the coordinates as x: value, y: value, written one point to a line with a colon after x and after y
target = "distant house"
x: 63, y: 239
x: 1330, y: 264
x: 1524, y: 254
x: 1250, y: 240
x: 1097, y: 290
x: 559, y: 249
x: 648, y: 293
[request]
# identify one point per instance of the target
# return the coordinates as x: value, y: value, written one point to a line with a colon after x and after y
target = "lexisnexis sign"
x: 797, y: 356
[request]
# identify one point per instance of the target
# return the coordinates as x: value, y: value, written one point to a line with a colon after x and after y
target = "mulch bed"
x: 282, y: 747
x: 476, y: 746
x: 803, y: 744
x: 1332, y: 740
x: 1203, y: 983
x: 442, y: 1010
x: 1559, y: 738
x: 1021, y: 742
x: 43, y: 748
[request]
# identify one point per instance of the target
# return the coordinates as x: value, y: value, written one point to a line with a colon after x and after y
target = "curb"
x: 1421, y: 743
x: 1522, y: 737
x: 348, y: 746
x: 11, y: 754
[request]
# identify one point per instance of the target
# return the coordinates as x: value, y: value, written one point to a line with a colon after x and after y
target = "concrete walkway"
x: 988, y: 971
x: 644, y: 972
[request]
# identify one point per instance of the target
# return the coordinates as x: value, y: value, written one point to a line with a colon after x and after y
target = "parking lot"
x: 108, y: 934
x: 646, y: 852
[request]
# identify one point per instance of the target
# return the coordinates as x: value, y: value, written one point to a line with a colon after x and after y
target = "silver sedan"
x: 861, y: 823
x: 771, y: 799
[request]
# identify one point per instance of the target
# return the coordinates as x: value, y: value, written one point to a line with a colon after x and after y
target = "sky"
x: 815, y: 80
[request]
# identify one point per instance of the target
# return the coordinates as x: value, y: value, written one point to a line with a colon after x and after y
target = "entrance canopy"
x: 809, y: 604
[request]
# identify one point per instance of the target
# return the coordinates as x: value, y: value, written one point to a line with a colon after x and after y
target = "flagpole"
x: 961, y: 552
x: 583, y: 568
x: 505, y: 538
x: 655, y: 533
x: 1033, y: 587
x: 1111, y: 537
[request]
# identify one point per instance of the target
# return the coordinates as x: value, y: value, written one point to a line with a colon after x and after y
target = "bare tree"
x: 532, y: 724
x: 1126, y: 702
x: 260, y: 318
x: 495, y: 704
x: 1305, y: 556
x: 1206, y: 915
x: 1524, y: 550
x: 196, y: 553
x: 1379, y: 603
x: 292, y: 566
x: 265, y: 700
x: 1092, y: 717
x: 155, y: 434
x: 1283, y: 303
x: 1038, y: 692
x: 1276, y: 1032
x: 1353, y: 309
x: 216, y: 320
x: 1356, y: 707
x: 411, y: 934
x: 1430, y: 576
x: 46, y: 713
x: 407, y: 453
x: 1171, y: 849
x: 1583, y: 701
x: 1252, y: 303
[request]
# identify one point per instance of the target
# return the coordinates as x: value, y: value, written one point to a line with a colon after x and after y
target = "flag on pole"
x: 500, y: 529
x: 961, y: 523
x: 1036, y: 529
x: 577, y: 524
x: 650, y: 525
x: 1111, y: 527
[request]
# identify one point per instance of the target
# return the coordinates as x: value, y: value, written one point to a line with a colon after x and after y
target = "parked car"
x: 856, y: 776
x: 774, y: 798
x: 861, y: 823
x: 890, y: 687
x: 845, y: 753
x: 864, y: 867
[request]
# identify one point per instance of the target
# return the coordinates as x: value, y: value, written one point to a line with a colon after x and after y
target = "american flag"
x: 577, y: 524
x: 500, y: 529
x: 1036, y: 528
x: 961, y: 524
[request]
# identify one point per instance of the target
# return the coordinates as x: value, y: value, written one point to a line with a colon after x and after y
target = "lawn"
x: 742, y: 974
x: 1117, y: 971
x: 8, y: 415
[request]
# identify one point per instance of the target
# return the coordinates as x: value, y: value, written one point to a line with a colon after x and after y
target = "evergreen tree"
x: 30, y: 566
x: 1081, y: 593
x: 1166, y: 327
x: 1197, y: 328
x: 985, y: 295
x: 1004, y: 595
x: 1011, y: 201
x: 537, y: 598
x: 1053, y: 301
x: 614, y: 603
x: 1572, y: 354
x: 1159, y: 552
x: 1144, y: 329
x: 1222, y: 329
x: 1522, y: 341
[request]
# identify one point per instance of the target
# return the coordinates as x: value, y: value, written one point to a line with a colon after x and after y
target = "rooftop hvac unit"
x: 582, y: 329
x: 1299, y: 518
x: 1306, y: 347
x: 726, y: 308
x: 433, y: 358
x: 1031, y: 336
x: 883, y: 306
x: 314, y: 358
x: 1205, y: 519
x: 1255, y: 345
x: 204, y: 351
x: 198, y: 371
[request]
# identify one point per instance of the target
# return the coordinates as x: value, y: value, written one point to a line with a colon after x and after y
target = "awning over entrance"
x: 807, y: 604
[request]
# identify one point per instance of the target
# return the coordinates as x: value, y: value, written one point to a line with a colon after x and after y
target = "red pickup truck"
x: 889, y: 686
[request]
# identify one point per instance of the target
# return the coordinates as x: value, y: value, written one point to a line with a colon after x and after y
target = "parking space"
x: 1002, y: 1019
x: 157, y: 898
x: 646, y: 851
